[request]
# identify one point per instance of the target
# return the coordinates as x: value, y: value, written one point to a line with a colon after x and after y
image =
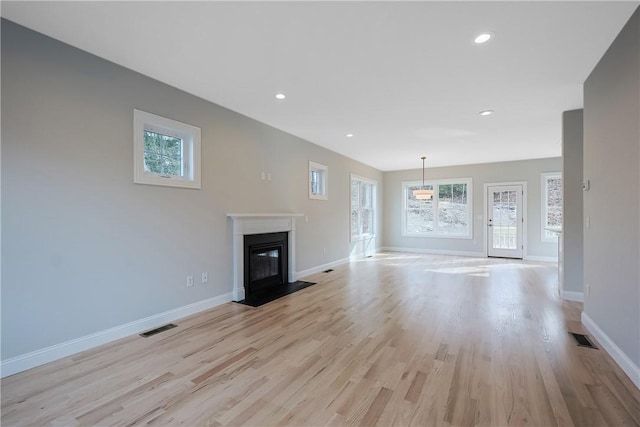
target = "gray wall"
x: 611, y: 163
x: 83, y: 248
x: 572, y: 141
x: 525, y: 170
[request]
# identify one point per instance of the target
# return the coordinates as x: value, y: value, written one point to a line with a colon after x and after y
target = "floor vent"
x: 370, y: 256
x: 328, y: 271
x: 158, y: 330
x: 583, y: 340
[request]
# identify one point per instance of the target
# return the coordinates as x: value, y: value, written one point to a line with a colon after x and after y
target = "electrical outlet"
x: 189, y: 281
x: 588, y: 289
x: 205, y: 277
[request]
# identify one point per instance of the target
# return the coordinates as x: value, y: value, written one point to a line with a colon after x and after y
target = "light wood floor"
x: 397, y: 339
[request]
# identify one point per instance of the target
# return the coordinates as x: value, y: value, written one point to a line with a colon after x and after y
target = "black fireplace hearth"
x: 271, y: 294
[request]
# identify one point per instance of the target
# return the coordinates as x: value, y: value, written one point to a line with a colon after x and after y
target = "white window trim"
x: 374, y: 201
x: 191, y: 139
x: 324, y: 173
x: 543, y: 206
x: 434, y: 183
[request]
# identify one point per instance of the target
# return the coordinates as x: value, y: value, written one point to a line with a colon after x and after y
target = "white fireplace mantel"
x: 259, y: 223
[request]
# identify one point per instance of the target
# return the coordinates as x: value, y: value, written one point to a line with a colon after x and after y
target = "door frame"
x: 364, y: 246
x: 485, y: 218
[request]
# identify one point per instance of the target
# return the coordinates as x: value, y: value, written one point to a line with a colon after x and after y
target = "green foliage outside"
x: 162, y: 154
x: 452, y: 212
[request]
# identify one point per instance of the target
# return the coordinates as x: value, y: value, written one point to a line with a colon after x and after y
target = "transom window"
x: 166, y: 152
x: 551, y: 205
x: 363, y: 202
x: 447, y: 214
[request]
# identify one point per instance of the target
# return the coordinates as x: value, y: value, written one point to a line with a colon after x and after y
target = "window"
x: 166, y: 152
x: 447, y: 214
x: 363, y: 204
x: 318, y: 179
x: 551, y: 205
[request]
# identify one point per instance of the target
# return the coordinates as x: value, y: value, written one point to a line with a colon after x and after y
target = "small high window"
x: 318, y: 179
x: 166, y: 152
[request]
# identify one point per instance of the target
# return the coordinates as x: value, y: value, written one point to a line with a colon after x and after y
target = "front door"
x: 505, y: 221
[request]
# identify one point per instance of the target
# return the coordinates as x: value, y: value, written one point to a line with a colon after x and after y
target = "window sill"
x: 167, y: 182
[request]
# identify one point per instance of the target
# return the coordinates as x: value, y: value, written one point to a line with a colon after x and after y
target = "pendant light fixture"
x: 423, y: 193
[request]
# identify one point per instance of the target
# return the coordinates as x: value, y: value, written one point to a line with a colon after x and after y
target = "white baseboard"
x: 431, y: 251
x: 322, y: 267
x: 626, y: 364
x: 67, y: 348
x: 572, y: 296
x: 540, y: 258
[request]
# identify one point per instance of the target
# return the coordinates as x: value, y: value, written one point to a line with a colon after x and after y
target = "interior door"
x: 505, y: 221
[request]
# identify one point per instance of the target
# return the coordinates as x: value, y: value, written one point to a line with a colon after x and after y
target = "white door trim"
x: 499, y: 251
x: 485, y: 218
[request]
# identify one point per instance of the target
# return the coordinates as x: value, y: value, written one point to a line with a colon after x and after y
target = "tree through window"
x: 163, y: 154
x: 446, y: 214
x: 551, y: 205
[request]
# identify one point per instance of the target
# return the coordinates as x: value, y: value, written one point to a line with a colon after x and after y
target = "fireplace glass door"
x: 265, y: 261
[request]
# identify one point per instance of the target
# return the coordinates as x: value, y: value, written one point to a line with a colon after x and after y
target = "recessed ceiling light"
x: 349, y: 135
x: 280, y: 96
x: 486, y: 112
x: 483, y: 38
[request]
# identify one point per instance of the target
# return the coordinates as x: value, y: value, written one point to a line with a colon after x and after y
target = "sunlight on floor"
x: 483, y: 270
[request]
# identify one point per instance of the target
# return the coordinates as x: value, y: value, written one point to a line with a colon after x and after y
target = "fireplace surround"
x: 245, y: 224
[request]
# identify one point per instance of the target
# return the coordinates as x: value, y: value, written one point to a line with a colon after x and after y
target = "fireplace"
x: 249, y: 224
x: 265, y: 262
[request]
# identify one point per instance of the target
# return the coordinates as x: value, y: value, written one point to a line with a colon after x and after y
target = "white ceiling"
x: 403, y: 77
